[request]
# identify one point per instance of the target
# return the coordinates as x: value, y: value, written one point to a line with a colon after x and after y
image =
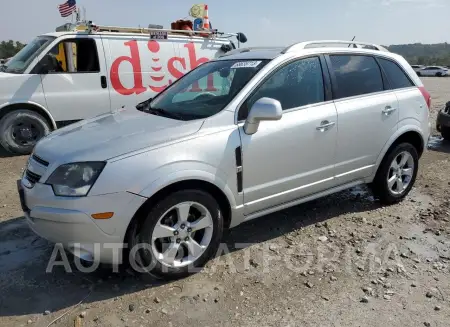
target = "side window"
x: 397, y: 77
x: 356, y: 75
x: 73, y: 56
x: 297, y: 84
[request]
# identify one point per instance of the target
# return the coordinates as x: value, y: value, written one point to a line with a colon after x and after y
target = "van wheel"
x: 397, y: 173
x: 179, y: 235
x: 445, y: 132
x: 21, y: 129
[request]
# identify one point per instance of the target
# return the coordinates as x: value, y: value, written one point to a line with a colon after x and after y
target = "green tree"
x: 10, y: 48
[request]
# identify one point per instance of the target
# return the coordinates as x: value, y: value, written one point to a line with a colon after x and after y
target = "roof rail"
x: 311, y: 44
x: 248, y: 49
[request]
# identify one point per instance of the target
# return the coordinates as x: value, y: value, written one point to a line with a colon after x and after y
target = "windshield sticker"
x: 246, y: 64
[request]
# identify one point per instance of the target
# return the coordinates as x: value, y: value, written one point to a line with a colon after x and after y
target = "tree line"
x: 10, y: 48
x: 416, y: 53
x: 424, y: 54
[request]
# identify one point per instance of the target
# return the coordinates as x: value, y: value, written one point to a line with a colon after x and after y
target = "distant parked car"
x: 417, y: 67
x: 443, y: 122
x: 433, y: 71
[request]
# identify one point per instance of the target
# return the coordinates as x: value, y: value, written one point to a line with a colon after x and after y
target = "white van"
x: 81, y: 71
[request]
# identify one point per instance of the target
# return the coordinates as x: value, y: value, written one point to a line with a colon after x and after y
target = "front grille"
x: 40, y: 160
x: 32, y: 177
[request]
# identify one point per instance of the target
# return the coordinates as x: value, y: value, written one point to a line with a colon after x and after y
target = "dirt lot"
x: 339, y: 261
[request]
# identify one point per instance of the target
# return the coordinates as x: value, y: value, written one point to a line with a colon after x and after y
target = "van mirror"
x: 224, y: 72
x: 263, y: 109
x: 241, y: 37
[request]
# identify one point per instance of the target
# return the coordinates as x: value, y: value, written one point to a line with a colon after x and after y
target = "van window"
x: 193, y: 97
x: 73, y: 56
x: 356, y: 75
x: 397, y: 77
x: 297, y: 84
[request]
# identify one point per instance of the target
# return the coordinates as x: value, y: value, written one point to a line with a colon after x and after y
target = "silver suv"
x: 278, y: 127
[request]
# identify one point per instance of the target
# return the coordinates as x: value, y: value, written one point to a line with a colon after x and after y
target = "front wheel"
x: 179, y: 235
x: 20, y: 130
x: 397, y: 173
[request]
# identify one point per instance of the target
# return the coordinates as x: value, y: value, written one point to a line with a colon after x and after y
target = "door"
x: 75, y: 83
x: 292, y: 157
x: 367, y: 114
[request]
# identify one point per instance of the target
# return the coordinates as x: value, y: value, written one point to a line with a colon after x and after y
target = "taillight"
x: 426, y: 96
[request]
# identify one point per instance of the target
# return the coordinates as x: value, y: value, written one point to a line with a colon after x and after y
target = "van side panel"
x: 140, y: 68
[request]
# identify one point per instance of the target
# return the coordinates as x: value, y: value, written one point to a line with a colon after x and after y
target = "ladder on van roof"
x: 90, y: 27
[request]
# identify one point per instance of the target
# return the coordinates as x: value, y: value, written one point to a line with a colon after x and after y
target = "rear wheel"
x: 21, y: 129
x: 445, y: 132
x: 179, y: 235
x: 397, y: 173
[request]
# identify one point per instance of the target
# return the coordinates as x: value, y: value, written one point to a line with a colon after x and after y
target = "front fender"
x: 218, y: 179
x: 33, y: 104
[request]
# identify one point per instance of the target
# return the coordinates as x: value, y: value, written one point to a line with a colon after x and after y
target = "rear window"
x: 356, y: 75
x: 397, y: 77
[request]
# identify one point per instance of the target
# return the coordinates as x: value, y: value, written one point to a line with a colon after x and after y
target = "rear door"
x: 75, y: 85
x: 367, y: 114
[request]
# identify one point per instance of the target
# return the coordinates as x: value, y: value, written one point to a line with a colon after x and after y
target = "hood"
x: 112, y: 135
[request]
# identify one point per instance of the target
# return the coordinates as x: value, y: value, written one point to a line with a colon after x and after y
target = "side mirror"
x: 241, y: 37
x: 263, y: 109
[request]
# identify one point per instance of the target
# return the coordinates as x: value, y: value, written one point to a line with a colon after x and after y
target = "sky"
x: 265, y: 23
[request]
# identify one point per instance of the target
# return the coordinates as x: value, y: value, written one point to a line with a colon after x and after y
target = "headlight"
x: 75, y: 179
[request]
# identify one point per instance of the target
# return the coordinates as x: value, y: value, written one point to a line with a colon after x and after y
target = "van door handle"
x: 103, y: 82
x: 324, y: 125
x: 388, y: 110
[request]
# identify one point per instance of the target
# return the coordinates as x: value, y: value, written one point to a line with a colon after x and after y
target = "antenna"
x: 352, y: 40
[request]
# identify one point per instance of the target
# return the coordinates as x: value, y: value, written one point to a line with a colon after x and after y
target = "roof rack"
x: 318, y: 43
x: 91, y: 27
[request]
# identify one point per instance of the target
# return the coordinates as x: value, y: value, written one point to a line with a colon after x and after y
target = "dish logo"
x: 158, y: 79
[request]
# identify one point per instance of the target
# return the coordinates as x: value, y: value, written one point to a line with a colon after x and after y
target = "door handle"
x: 388, y: 110
x: 324, y: 125
x: 103, y: 82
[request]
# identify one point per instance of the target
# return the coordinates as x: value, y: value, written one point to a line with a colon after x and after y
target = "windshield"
x: 206, y: 90
x: 24, y: 57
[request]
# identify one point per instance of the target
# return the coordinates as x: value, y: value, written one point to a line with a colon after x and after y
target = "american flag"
x: 67, y: 8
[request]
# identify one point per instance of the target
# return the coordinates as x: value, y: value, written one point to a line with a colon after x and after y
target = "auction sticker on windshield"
x: 246, y: 64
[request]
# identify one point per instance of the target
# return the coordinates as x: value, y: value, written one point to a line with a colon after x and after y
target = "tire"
x: 146, y: 257
x: 380, y: 186
x: 17, y: 140
x: 419, y: 74
x: 438, y: 74
x: 445, y: 132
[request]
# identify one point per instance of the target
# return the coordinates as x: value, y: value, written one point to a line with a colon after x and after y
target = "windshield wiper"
x: 163, y: 113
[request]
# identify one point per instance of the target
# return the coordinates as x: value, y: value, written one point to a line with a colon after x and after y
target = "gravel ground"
x: 340, y: 261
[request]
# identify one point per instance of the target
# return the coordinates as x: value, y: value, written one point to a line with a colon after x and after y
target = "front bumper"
x: 68, y: 221
x: 443, y: 119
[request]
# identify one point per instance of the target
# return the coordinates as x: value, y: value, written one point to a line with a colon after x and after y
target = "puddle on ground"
x: 435, y: 142
x: 424, y: 245
x: 362, y: 192
x: 19, y: 246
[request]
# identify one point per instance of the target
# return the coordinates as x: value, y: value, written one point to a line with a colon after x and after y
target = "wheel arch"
x: 410, y: 134
x: 201, y: 184
x: 11, y: 106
